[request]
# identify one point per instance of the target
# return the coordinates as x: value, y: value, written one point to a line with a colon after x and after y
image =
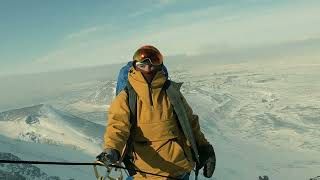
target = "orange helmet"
x: 148, y: 53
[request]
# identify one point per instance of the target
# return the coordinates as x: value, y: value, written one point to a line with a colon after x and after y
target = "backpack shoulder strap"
x: 126, y: 157
x: 175, y: 97
x: 132, y: 100
x: 176, y: 85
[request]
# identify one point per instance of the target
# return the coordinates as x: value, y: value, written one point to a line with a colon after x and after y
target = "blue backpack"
x: 123, y: 76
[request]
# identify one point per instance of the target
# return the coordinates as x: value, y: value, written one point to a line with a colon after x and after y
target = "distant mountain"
x: 46, y: 124
x: 44, y: 133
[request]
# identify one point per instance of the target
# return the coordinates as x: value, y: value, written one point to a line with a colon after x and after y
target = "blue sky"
x: 43, y: 35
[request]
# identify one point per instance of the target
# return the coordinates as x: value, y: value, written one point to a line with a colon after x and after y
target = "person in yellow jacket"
x: 159, y: 144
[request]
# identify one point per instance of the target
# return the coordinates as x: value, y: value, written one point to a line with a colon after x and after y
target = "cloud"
x: 210, y: 30
x: 140, y: 13
x: 150, y: 7
x: 83, y: 32
x: 165, y: 2
x: 81, y: 55
x: 236, y: 30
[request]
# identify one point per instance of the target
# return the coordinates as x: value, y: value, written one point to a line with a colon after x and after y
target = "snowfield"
x: 262, y: 118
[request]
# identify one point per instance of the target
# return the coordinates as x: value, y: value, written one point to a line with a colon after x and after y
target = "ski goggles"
x: 146, y: 61
x: 145, y: 56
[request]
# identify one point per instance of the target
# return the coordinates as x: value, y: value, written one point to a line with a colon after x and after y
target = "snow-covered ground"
x: 263, y: 118
x: 45, y: 152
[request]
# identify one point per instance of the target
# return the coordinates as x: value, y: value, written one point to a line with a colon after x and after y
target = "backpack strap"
x: 127, y: 156
x: 132, y: 98
x: 175, y: 97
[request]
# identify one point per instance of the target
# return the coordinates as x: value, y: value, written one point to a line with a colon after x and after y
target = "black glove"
x: 108, y: 156
x: 209, y: 167
x: 207, y: 160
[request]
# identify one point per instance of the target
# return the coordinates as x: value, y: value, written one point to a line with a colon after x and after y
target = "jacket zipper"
x: 150, y: 95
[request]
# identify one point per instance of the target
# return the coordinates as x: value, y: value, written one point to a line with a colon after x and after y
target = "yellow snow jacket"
x: 159, y: 145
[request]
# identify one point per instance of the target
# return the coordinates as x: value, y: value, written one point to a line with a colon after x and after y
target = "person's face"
x: 148, y: 68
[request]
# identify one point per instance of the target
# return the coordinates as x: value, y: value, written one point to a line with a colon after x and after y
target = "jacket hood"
x: 141, y: 86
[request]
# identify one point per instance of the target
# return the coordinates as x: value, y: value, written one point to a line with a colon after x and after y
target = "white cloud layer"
x: 210, y: 30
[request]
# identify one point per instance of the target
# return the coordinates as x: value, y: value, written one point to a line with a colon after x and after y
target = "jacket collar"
x: 141, y: 86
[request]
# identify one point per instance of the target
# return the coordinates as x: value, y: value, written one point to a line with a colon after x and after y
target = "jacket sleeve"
x: 118, y: 127
x: 199, y: 136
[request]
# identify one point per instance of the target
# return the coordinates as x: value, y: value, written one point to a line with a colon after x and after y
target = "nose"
x: 148, y: 67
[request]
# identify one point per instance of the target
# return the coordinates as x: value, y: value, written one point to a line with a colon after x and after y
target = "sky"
x: 43, y: 35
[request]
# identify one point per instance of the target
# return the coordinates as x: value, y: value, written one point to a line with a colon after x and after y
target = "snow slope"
x: 45, y: 124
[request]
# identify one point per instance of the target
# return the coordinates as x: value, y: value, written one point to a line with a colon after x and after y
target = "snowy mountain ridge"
x: 46, y: 124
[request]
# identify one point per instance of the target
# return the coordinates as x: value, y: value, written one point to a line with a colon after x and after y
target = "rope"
x: 81, y: 164
x: 51, y: 163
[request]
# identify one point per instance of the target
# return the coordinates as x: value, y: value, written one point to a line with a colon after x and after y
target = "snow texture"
x: 262, y: 118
